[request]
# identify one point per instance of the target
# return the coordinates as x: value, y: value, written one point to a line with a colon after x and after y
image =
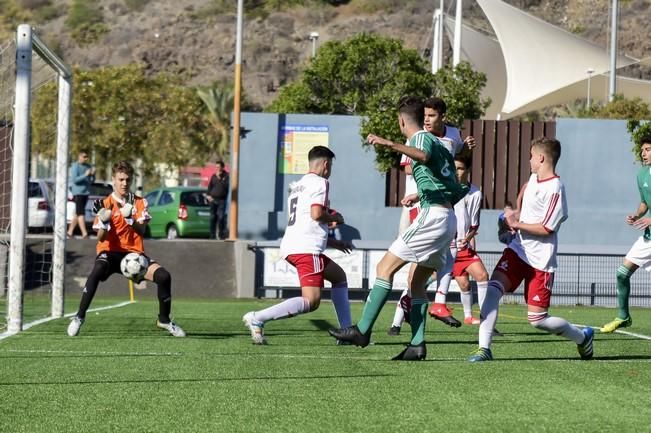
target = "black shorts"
x: 80, y: 204
x: 114, y: 259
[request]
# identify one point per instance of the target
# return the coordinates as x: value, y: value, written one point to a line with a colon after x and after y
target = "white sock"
x: 339, y: 295
x: 481, y: 292
x: 466, y: 301
x: 288, y: 308
x: 489, y: 310
x: 399, y: 315
x: 443, y: 288
x: 556, y: 326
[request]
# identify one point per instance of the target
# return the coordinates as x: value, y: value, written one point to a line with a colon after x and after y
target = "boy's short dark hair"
x: 123, y: 167
x: 320, y: 152
x: 220, y: 163
x: 466, y: 159
x: 645, y: 139
x: 436, y: 104
x: 550, y: 147
x: 508, y: 204
x: 413, y: 108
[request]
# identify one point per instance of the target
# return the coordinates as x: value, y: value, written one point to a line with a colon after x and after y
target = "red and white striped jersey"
x: 543, y: 202
x: 304, y: 235
x: 467, y: 212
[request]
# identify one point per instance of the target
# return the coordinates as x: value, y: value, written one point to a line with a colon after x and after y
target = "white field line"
x: 87, y: 352
x: 48, y: 319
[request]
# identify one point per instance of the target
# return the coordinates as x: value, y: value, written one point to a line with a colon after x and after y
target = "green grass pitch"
x: 122, y: 374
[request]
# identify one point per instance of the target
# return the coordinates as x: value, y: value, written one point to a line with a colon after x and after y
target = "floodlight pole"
x: 437, y: 44
x: 612, y: 88
x: 456, y: 51
x: 235, y: 152
x: 314, y: 36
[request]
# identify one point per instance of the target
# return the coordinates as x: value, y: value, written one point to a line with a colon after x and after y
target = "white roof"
x: 534, y: 64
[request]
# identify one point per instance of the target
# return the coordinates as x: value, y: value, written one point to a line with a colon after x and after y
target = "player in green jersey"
x: 640, y: 253
x: 427, y: 240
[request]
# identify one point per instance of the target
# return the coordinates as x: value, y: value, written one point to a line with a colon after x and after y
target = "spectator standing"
x: 82, y: 175
x: 217, y: 194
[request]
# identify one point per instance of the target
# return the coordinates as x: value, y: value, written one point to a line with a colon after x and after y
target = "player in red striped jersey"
x: 531, y: 255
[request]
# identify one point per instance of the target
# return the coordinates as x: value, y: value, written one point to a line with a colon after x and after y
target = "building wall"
x: 596, y: 166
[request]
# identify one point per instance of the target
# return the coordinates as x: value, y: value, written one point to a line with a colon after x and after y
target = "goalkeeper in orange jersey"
x: 121, y: 221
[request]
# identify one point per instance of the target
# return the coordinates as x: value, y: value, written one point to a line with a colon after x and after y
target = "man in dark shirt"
x: 217, y: 193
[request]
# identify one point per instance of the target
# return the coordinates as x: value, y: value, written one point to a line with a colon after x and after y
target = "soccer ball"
x: 134, y: 266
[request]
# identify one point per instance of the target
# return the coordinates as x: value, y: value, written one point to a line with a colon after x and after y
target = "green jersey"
x: 644, y: 186
x: 436, y: 178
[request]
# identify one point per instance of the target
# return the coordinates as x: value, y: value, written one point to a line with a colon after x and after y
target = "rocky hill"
x: 197, y: 39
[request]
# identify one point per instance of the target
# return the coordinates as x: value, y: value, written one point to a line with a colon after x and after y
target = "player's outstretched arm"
x: 412, y: 152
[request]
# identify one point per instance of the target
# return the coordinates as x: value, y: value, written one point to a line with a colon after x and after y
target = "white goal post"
x: 27, y: 44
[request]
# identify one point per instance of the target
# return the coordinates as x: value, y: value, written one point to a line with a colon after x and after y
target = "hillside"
x: 197, y: 38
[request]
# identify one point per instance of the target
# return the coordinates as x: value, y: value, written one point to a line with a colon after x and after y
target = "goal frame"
x: 28, y: 42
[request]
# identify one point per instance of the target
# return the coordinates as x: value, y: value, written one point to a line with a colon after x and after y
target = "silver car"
x: 40, y: 204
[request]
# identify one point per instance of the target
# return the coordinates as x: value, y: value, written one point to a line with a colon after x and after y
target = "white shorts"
x: 640, y: 253
x: 404, y: 220
x: 427, y: 240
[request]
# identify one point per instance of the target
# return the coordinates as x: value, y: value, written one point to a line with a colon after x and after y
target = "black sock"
x: 163, y: 280
x: 90, y: 288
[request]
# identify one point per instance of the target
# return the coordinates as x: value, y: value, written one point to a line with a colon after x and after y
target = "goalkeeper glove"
x: 103, y: 214
x: 127, y: 209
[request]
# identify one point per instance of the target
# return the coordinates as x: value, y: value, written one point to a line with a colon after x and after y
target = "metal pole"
x: 60, y: 196
x: 456, y: 53
x: 436, y: 65
x: 19, y: 179
x: 440, y: 48
x: 590, y: 71
x: 612, y: 89
x: 235, y: 152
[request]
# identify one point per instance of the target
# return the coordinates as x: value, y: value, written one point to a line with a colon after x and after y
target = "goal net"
x: 33, y: 189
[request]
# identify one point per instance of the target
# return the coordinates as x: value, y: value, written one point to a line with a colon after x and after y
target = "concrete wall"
x: 357, y: 188
x: 596, y: 165
x: 199, y: 269
x: 598, y: 170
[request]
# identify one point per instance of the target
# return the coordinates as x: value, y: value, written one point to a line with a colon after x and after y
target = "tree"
x: 120, y: 113
x: 366, y: 75
x: 619, y: 108
x: 638, y: 129
x: 218, y: 100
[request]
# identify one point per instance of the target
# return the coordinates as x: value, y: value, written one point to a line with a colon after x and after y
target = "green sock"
x: 417, y: 320
x: 623, y: 290
x: 374, y: 303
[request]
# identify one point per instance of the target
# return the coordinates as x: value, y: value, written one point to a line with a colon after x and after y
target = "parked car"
x: 178, y: 212
x: 97, y: 190
x: 40, y: 204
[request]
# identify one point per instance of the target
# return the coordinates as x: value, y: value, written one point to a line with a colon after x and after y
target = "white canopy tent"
x: 534, y: 64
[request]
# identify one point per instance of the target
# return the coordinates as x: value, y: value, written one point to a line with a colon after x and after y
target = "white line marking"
x: 48, y: 319
x: 85, y: 352
x: 632, y: 334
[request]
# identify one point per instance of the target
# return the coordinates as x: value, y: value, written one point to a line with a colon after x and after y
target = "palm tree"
x: 218, y: 99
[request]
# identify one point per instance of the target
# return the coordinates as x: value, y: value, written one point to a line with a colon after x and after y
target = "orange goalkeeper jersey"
x: 121, y: 236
